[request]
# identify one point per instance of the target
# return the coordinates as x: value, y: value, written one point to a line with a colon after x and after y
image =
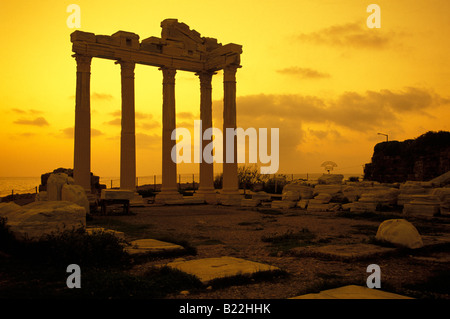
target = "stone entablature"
x: 179, y: 48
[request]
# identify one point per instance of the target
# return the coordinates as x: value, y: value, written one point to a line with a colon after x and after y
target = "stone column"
x: 230, y: 176
x: 127, y: 139
x: 82, y: 134
x: 169, y: 188
x: 206, y: 188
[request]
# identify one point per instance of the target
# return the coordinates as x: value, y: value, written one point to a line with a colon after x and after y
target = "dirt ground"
x: 217, y: 231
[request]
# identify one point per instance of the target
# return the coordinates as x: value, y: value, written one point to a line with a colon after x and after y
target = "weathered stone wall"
x: 421, y: 159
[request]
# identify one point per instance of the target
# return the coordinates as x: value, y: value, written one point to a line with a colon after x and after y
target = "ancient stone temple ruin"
x: 179, y: 48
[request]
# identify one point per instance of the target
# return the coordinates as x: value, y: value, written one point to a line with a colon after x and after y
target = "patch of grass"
x: 269, y: 211
x: 364, y: 229
x: 289, y: 240
x: 373, y: 216
x: 133, y: 230
x: 244, y: 279
x: 249, y: 223
x: 210, y: 241
x: 100, y: 284
x: 438, y: 284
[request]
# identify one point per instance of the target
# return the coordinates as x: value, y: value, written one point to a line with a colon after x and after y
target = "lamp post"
x: 387, y: 140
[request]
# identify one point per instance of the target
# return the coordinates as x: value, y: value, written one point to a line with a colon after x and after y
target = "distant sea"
x: 23, y: 185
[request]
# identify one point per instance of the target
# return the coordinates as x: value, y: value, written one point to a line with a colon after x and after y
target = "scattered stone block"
x: 303, y: 203
x: 352, y: 193
x: 399, y: 232
x: 92, y: 230
x: 261, y: 196
x: 37, y: 219
x: 250, y: 202
x: 304, y: 191
x: 55, y: 183
x: 387, y: 196
x: 284, y: 204
x: 441, y: 180
x: 331, y: 179
x: 75, y: 194
x: 145, y: 246
x: 322, y: 198
x: 333, y: 190
x: 421, y: 209
x: 314, y: 206
x: 209, y: 269
x: 290, y: 196
x: 352, y: 292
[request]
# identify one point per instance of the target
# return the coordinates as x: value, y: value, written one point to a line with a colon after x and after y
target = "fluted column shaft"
x: 206, y: 169
x: 128, y: 136
x: 169, y: 168
x: 82, y: 132
x: 230, y: 176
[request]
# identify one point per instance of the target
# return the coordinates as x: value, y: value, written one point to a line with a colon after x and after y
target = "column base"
x: 137, y: 200
x: 167, y: 195
x: 209, y: 195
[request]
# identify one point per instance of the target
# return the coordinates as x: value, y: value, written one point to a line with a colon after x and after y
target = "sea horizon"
x: 30, y: 184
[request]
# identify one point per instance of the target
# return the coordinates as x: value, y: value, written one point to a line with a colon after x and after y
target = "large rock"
x: 75, y: 194
x: 42, y: 218
x: 399, y: 232
x: 55, y: 183
x: 331, y: 179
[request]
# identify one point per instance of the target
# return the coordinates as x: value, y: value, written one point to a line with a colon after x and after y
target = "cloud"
x: 149, y: 125
x: 69, y: 132
x: 304, y: 73
x: 148, y: 140
x: 116, y: 121
x: 185, y: 115
x: 356, y: 35
x: 352, y: 110
x: 30, y: 111
x: 101, y: 96
x: 39, y: 121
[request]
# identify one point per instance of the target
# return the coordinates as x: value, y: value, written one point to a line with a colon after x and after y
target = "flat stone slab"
x: 343, y: 252
x: 208, y: 269
x: 144, y: 246
x: 353, y: 292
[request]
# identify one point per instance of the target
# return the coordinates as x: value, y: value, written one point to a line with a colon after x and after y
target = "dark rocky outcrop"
x: 420, y: 159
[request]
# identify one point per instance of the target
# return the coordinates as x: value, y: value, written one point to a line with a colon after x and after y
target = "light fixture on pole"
x: 384, y: 135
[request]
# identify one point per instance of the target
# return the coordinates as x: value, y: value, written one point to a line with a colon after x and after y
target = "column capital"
x: 168, y: 75
x: 205, y: 78
x: 83, y: 62
x: 127, y: 68
x: 229, y: 73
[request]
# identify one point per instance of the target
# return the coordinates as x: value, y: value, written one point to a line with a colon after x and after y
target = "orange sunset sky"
x: 311, y: 68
